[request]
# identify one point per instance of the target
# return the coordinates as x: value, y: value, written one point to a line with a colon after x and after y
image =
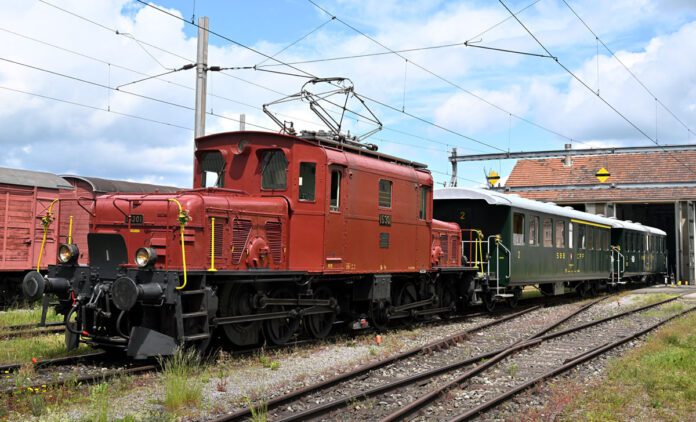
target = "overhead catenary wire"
x: 107, y: 110
x: 443, y: 79
x: 607, y: 103
x: 633, y: 75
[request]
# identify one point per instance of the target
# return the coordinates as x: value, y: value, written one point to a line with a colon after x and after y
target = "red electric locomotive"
x: 279, y: 233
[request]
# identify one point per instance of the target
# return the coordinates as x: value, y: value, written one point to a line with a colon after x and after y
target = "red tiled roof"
x: 653, y: 167
x: 610, y: 195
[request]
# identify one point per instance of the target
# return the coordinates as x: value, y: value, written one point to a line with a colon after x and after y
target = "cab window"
x: 423, y: 210
x: 274, y: 167
x: 212, y: 166
x: 307, y: 181
x: 335, y: 197
x: 385, y: 193
x: 518, y: 229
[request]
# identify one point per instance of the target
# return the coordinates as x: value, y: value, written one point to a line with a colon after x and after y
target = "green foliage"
x: 23, y: 349
x: 655, y: 381
x: 258, y: 413
x: 99, y: 398
x: 182, y: 387
x: 269, y: 363
x: 21, y: 316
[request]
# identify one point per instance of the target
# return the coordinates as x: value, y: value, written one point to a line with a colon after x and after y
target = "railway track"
x: 402, y: 387
x: 31, y: 330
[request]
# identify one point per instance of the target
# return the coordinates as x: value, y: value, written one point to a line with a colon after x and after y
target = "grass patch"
x: 23, y: 349
x: 99, y: 403
x: 21, y: 316
x: 182, y: 387
x: 648, y: 299
x: 654, y: 382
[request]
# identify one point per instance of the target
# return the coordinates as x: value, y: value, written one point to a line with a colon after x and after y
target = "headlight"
x: 145, y: 257
x: 68, y: 253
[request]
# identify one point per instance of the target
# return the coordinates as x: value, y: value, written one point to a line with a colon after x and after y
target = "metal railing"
x: 472, y: 249
x: 498, y: 245
x: 620, y: 260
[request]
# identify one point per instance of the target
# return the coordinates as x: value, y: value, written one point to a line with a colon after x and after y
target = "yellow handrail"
x: 70, y: 231
x: 212, y: 244
x: 183, y: 219
x: 46, y: 221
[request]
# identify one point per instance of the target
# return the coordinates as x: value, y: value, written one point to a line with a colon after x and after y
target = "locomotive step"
x: 196, y: 337
x: 194, y: 314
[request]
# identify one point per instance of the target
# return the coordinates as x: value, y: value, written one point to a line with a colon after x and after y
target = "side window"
x: 534, y: 231
x: 307, y: 182
x: 560, y: 234
x: 581, y: 236
x: 590, y: 238
x: 274, y: 168
x: 517, y: 229
x: 335, y: 197
x: 212, y: 167
x: 385, y: 193
x: 548, y: 232
x: 570, y: 235
x: 423, y: 210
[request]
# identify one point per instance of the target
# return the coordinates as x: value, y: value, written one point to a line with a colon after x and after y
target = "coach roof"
x: 498, y: 198
x: 37, y: 179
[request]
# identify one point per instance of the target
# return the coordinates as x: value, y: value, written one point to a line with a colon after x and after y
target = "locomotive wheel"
x: 379, y: 315
x: 238, y: 300
x: 407, y: 294
x: 279, y: 330
x: 72, y: 340
x: 319, y: 326
x: 447, y: 298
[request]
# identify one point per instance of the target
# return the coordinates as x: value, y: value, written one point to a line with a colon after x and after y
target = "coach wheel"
x: 592, y: 290
x: 238, y: 300
x: 279, y: 330
x: 583, y: 290
x: 488, y: 300
x: 319, y: 325
x: 515, y: 299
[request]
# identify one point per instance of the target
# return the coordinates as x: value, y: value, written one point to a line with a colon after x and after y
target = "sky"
x: 63, y: 64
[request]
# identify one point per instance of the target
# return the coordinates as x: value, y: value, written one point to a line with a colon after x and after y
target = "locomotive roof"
x: 498, y: 198
x: 37, y: 179
x: 100, y: 185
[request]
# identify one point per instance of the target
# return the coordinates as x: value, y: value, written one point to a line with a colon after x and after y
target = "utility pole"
x: 453, y: 180
x: 201, y: 76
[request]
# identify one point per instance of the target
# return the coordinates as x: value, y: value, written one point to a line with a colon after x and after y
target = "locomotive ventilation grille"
x: 240, y: 237
x: 444, y: 247
x: 219, y: 238
x: 273, y: 234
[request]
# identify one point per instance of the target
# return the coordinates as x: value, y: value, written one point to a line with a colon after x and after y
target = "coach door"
x: 334, y: 242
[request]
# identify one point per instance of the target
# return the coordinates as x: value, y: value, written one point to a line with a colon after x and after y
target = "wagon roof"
x: 100, y: 185
x: 498, y: 198
x: 32, y: 178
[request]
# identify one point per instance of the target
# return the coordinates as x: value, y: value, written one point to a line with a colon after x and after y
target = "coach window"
x: 423, y: 210
x: 590, y: 238
x: 212, y: 169
x: 570, y: 235
x: 307, y: 182
x: 517, y: 229
x: 581, y: 236
x: 548, y: 233
x: 385, y: 193
x: 534, y: 231
x: 560, y: 234
x: 274, y: 167
x: 335, y: 198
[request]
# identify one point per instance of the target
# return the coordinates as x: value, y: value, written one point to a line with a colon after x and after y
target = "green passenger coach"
x: 526, y: 242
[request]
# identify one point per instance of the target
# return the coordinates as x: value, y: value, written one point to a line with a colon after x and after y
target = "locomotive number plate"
x: 385, y: 220
x: 135, y: 219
